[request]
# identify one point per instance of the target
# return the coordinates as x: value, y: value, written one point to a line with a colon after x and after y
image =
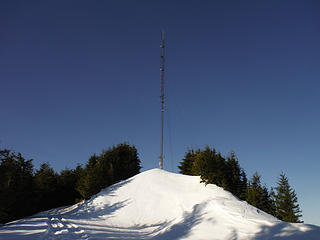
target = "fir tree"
x: 213, y: 168
x: 113, y: 165
x: 286, y: 201
x: 16, y: 188
x: 67, y: 183
x: 87, y: 183
x: 46, y: 187
x: 254, y: 191
x: 243, y: 185
x: 187, y: 162
x: 258, y: 195
x: 233, y: 175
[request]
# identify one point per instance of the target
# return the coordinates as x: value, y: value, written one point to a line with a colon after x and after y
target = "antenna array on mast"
x: 162, y: 97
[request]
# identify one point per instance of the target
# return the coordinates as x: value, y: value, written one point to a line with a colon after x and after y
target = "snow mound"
x: 160, y: 205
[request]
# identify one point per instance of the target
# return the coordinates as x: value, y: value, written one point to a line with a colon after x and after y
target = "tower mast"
x: 162, y: 97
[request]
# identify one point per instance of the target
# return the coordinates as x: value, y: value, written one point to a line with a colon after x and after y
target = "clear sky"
x: 80, y: 76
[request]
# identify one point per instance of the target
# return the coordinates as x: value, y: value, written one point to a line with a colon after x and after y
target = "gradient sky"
x: 80, y: 76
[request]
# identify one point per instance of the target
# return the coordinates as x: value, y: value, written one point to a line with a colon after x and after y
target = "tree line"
x: 226, y: 172
x: 25, y: 191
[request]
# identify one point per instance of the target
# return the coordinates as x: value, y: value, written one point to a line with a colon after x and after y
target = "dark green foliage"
x: 243, y: 185
x: 254, y: 191
x: 88, y: 183
x: 46, y: 187
x: 111, y: 166
x: 67, y: 183
x: 235, y: 177
x: 286, y: 201
x: 122, y: 162
x: 258, y: 195
x: 187, y: 163
x: 16, y: 175
x: 212, y: 167
x: 23, y: 192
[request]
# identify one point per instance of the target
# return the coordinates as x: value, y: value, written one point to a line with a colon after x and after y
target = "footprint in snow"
x: 85, y: 236
x: 53, y: 225
x: 61, y: 232
x: 60, y: 227
x: 57, y: 225
x: 69, y: 226
x: 74, y: 225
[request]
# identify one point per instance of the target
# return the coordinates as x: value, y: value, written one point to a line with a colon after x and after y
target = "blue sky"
x: 80, y: 76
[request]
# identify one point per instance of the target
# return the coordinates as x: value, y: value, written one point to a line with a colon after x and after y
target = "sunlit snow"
x: 158, y: 205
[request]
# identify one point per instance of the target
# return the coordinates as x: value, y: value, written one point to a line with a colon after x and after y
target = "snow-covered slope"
x: 158, y: 205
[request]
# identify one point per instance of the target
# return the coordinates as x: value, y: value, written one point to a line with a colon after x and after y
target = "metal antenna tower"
x: 162, y: 97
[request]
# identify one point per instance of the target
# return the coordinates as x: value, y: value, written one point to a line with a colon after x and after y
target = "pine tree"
x: 243, y: 185
x: 16, y: 187
x: 187, y: 162
x: 268, y: 203
x: 258, y: 195
x: 89, y: 182
x: 46, y: 187
x: 254, y: 191
x: 113, y: 165
x: 203, y: 164
x: 213, y: 168
x: 123, y: 160
x: 233, y: 175
x: 67, y: 182
x: 286, y: 201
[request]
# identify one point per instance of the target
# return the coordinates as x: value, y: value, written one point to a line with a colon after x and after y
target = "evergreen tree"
x: 23, y: 192
x: 122, y: 161
x: 46, y: 187
x: 202, y: 164
x: 286, y: 201
x: 88, y: 183
x: 67, y: 183
x: 258, y: 195
x: 16, y: 189
x: 243, y: 185
x: 268, y: 203
x: 113, y: 165
x: 254, y: 191
x: 210, y: 166
x: 272, y: 203
x: 187, y: 162
x: 233, y: 175
x: 213, y: 168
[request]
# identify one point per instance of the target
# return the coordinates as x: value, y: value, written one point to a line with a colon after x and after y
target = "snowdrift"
x: 158, y: 205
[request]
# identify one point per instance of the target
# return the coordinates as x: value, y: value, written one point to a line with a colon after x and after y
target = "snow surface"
x: 158, y: 205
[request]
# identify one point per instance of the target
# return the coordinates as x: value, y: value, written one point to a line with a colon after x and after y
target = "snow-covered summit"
x: 157, y: 204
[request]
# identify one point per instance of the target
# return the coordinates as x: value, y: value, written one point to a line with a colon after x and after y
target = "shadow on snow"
x: 288, y: 231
